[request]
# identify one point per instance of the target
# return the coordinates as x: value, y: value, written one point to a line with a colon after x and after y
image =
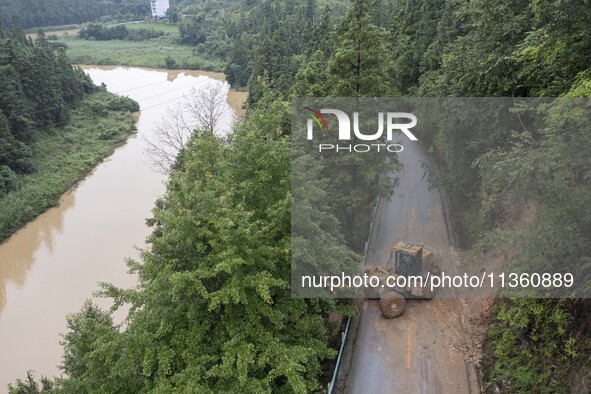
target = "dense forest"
x: 37, y: 13
x: 47, y: 105
x: 213, y: 311
x: 39, y: 89
x: 477, y: 48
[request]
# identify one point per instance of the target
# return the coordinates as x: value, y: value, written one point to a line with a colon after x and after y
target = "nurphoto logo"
x: 395, y: 121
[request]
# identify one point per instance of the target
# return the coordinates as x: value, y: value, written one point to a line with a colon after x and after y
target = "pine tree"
x: 358, y: 65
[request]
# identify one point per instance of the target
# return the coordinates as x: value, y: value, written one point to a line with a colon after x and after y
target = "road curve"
x: 419, y: 352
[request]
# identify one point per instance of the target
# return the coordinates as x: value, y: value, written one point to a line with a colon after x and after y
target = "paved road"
x: 418, y: 352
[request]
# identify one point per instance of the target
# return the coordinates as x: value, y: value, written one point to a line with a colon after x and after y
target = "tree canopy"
x: 38, y: 88
x: 40, y: 13
x: 213, y: 311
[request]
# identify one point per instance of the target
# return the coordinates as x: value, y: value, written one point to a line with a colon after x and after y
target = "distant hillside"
x: 36, y: 13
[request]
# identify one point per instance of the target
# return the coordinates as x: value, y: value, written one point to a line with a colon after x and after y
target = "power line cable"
x: 170, y: 91
x: 55, y: 125
x: 145, y: 98
x: 64, y: 105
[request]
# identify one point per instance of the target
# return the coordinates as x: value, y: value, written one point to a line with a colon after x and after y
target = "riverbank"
x: 63, y: 156
x: 50, y: 266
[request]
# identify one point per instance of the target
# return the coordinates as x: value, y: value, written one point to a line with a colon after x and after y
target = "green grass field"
x: 140, y: 54
x: 52, y: 29
x: 62, y: 157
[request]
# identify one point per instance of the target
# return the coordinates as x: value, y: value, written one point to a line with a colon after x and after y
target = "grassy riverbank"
x: 150, y: 53
x: 65, y: 155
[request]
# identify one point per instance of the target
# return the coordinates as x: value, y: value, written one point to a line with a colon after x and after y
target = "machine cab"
x: 407, y: 258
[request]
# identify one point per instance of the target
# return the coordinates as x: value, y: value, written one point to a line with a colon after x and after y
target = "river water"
x: 49, y: 267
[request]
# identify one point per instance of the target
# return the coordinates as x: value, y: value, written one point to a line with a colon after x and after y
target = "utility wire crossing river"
x: 52, y: 265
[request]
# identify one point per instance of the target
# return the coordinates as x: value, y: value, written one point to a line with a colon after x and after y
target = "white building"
x: 159, y: 8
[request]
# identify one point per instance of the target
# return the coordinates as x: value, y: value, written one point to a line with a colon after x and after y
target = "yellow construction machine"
x: 407, y: 275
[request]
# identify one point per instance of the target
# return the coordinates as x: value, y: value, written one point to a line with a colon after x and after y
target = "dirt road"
x: 421, y: 351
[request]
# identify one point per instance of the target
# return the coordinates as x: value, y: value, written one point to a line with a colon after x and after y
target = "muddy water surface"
x: 53, y: 264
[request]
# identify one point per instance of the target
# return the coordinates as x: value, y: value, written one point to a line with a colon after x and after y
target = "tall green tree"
x: 358, y: 65
x: 38, y: 87
x: 213, y: 311
x: 356, y: 68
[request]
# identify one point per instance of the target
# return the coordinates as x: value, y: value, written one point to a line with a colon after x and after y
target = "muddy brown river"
x: 49, y: 267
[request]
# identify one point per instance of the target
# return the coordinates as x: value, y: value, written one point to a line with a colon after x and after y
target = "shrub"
x: 170, y: 62
x: 7, y: 180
